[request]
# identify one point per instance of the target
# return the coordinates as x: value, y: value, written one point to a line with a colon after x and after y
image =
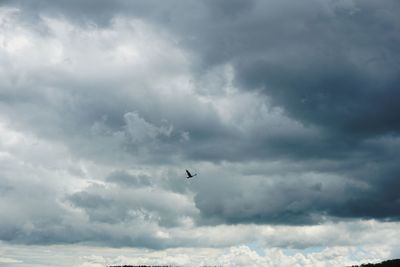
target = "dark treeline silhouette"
x: 389, y: 263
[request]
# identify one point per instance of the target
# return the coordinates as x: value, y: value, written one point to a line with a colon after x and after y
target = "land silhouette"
x: 388, y: 263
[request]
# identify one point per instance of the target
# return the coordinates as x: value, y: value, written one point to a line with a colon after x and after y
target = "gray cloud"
x: 287, y: 111
x: 125, y: 179
x: 297, y: 197
x: 112, y: 204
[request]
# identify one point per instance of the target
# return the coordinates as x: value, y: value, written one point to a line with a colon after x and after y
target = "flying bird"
x: 189, y: 175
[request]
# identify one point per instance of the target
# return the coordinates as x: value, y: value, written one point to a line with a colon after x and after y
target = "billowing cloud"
x: 286, y: 110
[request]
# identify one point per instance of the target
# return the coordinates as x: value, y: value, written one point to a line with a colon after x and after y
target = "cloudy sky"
x: 287, y: 110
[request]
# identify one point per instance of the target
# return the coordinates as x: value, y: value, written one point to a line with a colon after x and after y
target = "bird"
x: 189, y: 175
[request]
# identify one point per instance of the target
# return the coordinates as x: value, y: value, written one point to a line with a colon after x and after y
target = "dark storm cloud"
x: 300, y: 197
x: 326, y: 73
x: 326, y: 63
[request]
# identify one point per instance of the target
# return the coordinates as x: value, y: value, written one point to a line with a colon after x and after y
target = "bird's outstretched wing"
x: 188, y: 173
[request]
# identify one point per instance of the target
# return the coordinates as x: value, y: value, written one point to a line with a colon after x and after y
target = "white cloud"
x: 8, y: 260
x: 235, y: 256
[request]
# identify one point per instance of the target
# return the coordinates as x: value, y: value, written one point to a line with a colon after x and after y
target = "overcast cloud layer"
x: 287, y: 110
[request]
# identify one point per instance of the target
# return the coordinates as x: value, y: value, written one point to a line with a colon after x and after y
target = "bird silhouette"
x: 189, y: 175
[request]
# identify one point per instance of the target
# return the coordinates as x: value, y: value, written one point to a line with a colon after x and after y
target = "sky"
x: 287, y: 111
